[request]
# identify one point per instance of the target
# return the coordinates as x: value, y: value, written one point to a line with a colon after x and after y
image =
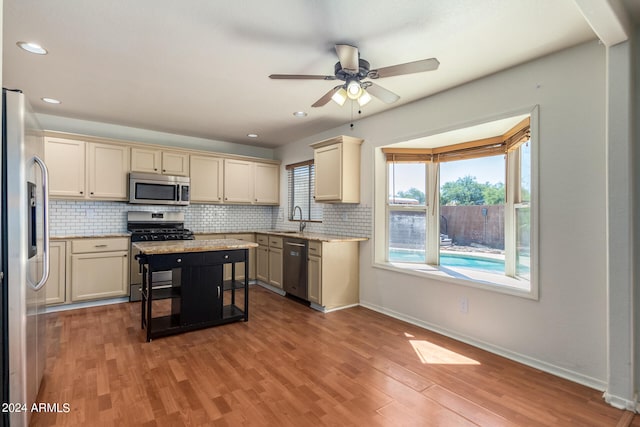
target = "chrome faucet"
x: 302, y: 223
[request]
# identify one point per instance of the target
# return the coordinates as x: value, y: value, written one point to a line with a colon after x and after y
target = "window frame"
x: 311, y: 205
x: 518, y: 286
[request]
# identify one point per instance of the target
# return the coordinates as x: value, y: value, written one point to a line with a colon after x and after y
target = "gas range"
x: 157, y: 226
x: 152, y: 227
x: 161, y: 234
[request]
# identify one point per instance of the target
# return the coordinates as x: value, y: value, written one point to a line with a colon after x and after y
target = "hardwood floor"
x: 292, y: 366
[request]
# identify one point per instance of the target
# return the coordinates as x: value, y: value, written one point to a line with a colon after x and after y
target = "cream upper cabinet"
x: 107, y: 169
x: 146, y: 160
x: 157, y: 161
x: 238, y: 181
x: 337, y: 170
x: 65, y: 159
x: 266, y: 183
x: 174, y: 163
x: 206, y: 179
x: 251, y: 182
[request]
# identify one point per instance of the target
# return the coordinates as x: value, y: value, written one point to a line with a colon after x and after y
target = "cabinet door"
x: 65, y: 160
x: 328, y: 165
x: 206, y: 179
x: 266, y: 184
x: 275, y: 267
x: 175, y: 163
x: 314, y: 271
x: 238, y: 181
x: 99, y: 275
x: 262, y: 263
x: 145, y: 160
x: 108, y: 168
x: 55, y: 289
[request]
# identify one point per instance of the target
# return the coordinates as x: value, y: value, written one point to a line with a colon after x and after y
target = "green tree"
x: 493, y: 194
x: 412, y: 193
x: 464, y: 191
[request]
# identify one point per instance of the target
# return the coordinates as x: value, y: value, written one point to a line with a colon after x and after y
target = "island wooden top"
x: 184, y: 246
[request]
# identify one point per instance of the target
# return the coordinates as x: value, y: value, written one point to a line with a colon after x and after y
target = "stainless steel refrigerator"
x: 24, y: 257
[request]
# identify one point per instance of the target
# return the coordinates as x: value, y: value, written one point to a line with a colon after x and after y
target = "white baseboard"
x: 271, y: 288
x: 324, y: 309
x: 525, y: 360
x: 621, y: 403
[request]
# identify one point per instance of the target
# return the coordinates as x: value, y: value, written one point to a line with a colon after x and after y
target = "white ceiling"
x: 200, y: 67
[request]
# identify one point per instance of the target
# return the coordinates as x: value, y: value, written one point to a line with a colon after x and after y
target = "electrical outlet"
x: 464, y: 305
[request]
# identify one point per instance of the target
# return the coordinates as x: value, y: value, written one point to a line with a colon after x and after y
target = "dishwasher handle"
x: 300, y: 245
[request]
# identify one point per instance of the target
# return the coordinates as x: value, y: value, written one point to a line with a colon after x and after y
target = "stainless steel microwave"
x: 155, y: 189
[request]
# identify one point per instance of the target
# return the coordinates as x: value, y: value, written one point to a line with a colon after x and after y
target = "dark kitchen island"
x: 199, y: 296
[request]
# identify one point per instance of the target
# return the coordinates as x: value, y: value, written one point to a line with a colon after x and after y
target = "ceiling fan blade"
x: 407, y: 68
x: 326, y: 97
x: 300, y: 77
x: 381, y: 93
x: 349, y: 57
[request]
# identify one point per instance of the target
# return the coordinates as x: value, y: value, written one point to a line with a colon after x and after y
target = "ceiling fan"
x: 352, y: 70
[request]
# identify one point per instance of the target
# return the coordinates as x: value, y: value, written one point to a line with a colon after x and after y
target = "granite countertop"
x: 183, y: 246
x: 90, y: 236
x: 285, y: 233
x: 313, y: 236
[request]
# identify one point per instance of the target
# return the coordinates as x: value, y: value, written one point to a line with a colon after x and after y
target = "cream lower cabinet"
x: 333, y: 274
x: 269, y: 260
x: 99, y: 268
x: 275, y: 261
x: 262, y: 263
x: 56, y: 287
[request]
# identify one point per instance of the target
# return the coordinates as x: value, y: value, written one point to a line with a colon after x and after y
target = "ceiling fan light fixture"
x: 353, y: 89
x: 340, y: 96
x: 364, y: 99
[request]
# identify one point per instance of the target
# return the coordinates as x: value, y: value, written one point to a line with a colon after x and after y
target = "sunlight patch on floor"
x: 434, y: 354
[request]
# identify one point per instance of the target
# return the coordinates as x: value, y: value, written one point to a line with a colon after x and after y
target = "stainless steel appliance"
x: 153, y: 226
x: 24, y: 257
x: 156, y: 189
x: 294, y: 281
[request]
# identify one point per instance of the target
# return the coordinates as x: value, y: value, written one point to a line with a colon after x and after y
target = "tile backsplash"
x: 77, y: 218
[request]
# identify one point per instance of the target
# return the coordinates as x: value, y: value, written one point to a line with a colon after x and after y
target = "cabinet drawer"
x: 244, y: 237
x: 99, y: 245
x: 262, y: 239
x: 315, y: 248
x: 275, y: 242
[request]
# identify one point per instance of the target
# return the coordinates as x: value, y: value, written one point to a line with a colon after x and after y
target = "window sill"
x: 465, y: 277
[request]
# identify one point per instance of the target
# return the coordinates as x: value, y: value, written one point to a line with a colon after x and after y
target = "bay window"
x: 463, y: 210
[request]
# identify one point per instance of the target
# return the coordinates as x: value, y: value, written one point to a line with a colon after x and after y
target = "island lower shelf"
x: 198, y: 296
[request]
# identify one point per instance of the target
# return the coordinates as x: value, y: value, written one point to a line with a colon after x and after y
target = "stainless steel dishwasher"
x: 294, y: 264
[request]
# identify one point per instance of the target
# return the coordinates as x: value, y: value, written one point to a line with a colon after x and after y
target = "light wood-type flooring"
x: 293, y: 366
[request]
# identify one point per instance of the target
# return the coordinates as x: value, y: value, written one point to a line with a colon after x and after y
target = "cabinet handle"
x: 218, y: 292
x: 155, y: 169
x: 100, y: 246
x: 82, y: 192
x: 226, y: 257
x: 125, y: 255
x: 179, y: 260
x: 92, y: 192
x: 164, y: 170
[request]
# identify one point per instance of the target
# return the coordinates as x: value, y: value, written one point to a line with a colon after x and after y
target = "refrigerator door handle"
x: 45, y: 223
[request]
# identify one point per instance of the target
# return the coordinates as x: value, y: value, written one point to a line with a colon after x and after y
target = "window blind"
x: 301, y: 186
x: 501, y: 144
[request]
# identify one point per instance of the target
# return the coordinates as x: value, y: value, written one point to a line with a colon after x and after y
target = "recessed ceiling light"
x: 32, y: 47
x: 300, y: 114
x: 51, y: 100
x: 252, y: 135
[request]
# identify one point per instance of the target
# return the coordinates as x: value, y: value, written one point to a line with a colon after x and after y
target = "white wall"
x: 565, y: 330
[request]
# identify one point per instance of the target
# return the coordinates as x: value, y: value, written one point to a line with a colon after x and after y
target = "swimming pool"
x: 449, y: 260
